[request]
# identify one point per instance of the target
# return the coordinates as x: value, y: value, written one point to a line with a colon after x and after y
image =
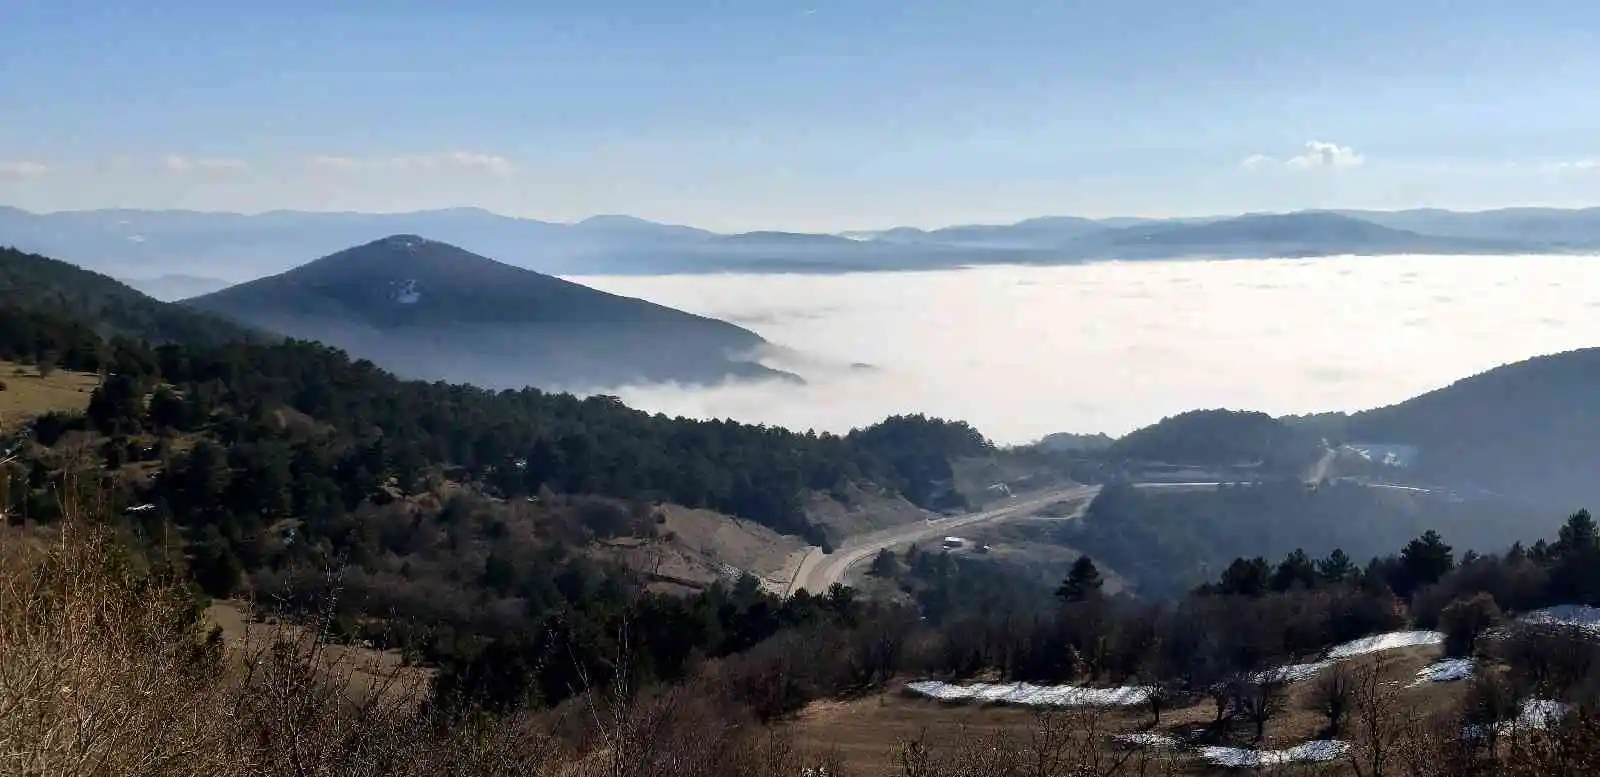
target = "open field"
x: 28, y: 393
x: 362, y: 670
x: 867, y: 733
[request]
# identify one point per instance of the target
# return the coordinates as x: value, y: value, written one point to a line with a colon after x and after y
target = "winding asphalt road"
x: 819, y: 571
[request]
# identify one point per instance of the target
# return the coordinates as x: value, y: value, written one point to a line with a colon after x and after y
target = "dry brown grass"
x: 364, y: 671
x: 104, y: 673
x: 29, y: 394
x: 868, y: 731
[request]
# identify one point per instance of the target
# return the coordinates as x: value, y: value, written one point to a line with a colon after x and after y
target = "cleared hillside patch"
x: 869, y: 732
x: 28, y: 393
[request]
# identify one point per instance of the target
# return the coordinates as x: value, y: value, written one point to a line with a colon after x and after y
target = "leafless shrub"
x: 1332, y: 695
x: 1554, y: 661
x: 1071, y: 743
x: 106, y: 673
x: 1465, y: 620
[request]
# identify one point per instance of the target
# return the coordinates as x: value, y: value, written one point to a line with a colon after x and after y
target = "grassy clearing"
x: 363, y: 671
x: 867, y: 733
x: 29, y: 394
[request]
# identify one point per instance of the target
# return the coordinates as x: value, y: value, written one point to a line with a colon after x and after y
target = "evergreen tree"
x: 1425, y: 561
x: 1336, y: 567
x: 1296, y: 569
x: 1575, y: 578
x: 885, y: 565
x: 117, y: 405
x: 1083, y: 581
x: 1244, y: 577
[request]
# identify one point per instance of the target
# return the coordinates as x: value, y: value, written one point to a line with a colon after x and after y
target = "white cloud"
x: 492, y: 164
x: 1257, y: 161
x: 174, y: 163
x: 1320, y: 154
x: 23, y: 169
x: 1576, y: 164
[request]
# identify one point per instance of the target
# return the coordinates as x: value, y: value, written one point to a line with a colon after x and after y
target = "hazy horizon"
x: 1021, y: 352
x: 860, y: 228
x: 816, y: 117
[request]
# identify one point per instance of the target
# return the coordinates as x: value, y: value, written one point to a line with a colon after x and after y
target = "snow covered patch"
x: 1448, y: 670
x: 1292, y: 673
x: 1380, y: 642
x: 1580, y: 615
x: 1149, y: 740
x: 1313, y: 751
x: 1536, y: 714
x: 407, y: 293
x: 1027, y: 695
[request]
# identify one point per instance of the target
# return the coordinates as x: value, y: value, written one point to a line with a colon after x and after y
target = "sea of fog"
x: 1024, y: 351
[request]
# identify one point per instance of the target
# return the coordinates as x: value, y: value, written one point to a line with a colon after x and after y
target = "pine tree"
x: 1336, y: 567
x: 885, y: 565
x: 1425, y: 561
x: 1083, y: 581
x: 1295, y: 569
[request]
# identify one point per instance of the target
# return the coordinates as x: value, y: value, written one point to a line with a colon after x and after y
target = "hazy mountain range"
x: 429, y: 310
x: 175, y: 254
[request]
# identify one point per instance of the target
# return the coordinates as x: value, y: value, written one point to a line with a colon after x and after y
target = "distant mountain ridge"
x: 230, y: 247
x: 430, y: 310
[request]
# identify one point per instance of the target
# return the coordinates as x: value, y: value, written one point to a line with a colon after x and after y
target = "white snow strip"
x: 1149, y: 740
x: 1292, y: 673
x: 1580, y: 615
x: 1027, y: 695
x: 1315, y: 750
x: 1380, y: 642
x: 1536, y: 714
x: 1447, y: 670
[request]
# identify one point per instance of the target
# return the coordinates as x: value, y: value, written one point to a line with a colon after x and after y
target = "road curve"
x: 819, y: 571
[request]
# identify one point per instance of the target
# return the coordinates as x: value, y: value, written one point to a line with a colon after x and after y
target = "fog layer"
x: 1025, y: 351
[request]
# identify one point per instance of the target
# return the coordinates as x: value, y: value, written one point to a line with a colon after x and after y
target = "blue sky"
x: 810, y: 114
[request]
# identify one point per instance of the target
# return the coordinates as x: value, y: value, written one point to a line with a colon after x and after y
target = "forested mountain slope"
x: 429, y: 310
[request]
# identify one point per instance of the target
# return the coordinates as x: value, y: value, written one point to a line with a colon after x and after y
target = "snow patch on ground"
x: 1149, y: 740
x: 1446, y: 670
x: 1380, y: 642
x: 407, y: 293
x: 1313, y: 751
x: 1536, y: 714
x: 1580, y: 615
x: 1028, y: 695
x: 1293, y: 673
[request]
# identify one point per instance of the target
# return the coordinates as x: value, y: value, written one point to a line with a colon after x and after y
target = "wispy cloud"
x: 23, y: 170
x: 173, y: 163
x: 1320, y: 154
x: 1317, y: 155
x: 1575, y: 165
x: 472, y: 161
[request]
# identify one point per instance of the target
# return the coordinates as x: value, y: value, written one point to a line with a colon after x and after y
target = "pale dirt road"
x: 819, y: 570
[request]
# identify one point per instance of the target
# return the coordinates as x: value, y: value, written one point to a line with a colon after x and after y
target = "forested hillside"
x: 452, y: 519
x: 1167, y: 542
x: 1219, y: 438
x: 38, y: 284
x: 1525, y: 429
